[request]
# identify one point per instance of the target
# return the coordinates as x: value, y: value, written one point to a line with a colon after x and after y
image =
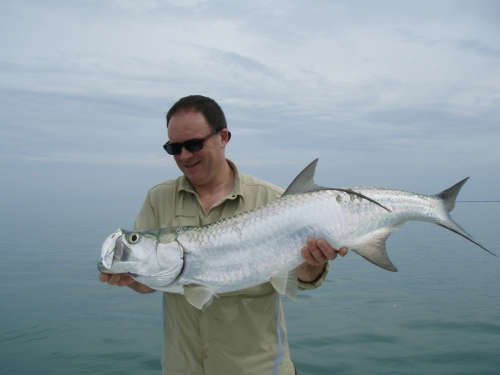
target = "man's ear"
x: 225, y: 136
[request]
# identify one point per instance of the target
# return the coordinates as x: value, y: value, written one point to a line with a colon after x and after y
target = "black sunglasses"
x: 191, y: 144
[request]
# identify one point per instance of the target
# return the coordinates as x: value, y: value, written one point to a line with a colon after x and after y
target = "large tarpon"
x: 264, y: 244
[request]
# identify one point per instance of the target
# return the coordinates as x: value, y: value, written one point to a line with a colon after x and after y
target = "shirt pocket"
x: 185, y: 220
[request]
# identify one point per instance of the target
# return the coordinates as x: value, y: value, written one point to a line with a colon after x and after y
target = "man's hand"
x: 122, y: 279
x: 316, y: 255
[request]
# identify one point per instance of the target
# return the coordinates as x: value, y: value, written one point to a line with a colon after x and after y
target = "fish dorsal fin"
x: 200, y: 296
x: 374, y: 251
x: 304, y: 182
x: 285, y: 282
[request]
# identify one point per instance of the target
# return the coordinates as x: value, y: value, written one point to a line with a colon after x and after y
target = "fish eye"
x: 133, y: 238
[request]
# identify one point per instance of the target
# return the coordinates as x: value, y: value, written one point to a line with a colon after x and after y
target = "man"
x: 241, y: 332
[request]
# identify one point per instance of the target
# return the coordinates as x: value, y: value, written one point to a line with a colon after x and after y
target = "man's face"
x: 200, y: 167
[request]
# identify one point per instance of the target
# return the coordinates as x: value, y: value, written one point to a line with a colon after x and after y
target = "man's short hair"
x: 206, y: 106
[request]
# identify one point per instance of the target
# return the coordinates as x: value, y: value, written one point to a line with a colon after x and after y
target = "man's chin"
x: 194, y: 175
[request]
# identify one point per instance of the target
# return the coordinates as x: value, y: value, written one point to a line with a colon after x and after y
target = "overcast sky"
x: 402, y: 94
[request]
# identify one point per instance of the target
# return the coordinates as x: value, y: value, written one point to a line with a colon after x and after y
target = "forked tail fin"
x: 449, y: 196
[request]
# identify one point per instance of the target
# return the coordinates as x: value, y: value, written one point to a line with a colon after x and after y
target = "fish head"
x: 151, y: 257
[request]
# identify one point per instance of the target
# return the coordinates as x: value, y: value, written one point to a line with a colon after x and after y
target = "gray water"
x: 438, y: 315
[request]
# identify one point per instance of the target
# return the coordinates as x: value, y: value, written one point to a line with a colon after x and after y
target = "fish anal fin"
x: 374, y: 250
x: 285, y: 282
x: 292, y: 285
x: 200, y: 296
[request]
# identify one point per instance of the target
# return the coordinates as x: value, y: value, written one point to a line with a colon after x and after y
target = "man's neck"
x: 217, y: 189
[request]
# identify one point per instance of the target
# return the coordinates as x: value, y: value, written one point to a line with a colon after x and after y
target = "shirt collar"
x: 185, y: 184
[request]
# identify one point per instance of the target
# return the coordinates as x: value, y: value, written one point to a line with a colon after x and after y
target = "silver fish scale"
x: 247, y: 249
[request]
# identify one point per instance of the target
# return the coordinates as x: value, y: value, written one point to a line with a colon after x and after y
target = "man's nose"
x: 185, y: 154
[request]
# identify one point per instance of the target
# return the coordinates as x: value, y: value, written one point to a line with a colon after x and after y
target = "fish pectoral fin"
x: 285, y: 282
x: 200, y: 296
x: 374, y: 250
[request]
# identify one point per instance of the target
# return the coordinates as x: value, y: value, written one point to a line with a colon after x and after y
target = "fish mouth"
x: 108, y: 249
x: 101, y: 268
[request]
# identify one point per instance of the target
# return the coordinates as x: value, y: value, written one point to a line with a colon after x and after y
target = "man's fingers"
x: 329, y: 251
x: 104, y: 277
x: 119, y: 279
x: 326, y: 249
x: 308, y: 257
x: 114, y: 279
x: 313, y: 254
x: 318, y: 252
x: 342, y: 251
x: 125, y: 280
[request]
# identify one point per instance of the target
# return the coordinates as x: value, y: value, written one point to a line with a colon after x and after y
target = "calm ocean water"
x: 440, y: 314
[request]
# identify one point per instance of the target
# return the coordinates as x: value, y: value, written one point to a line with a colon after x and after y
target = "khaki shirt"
x: 241, y: 332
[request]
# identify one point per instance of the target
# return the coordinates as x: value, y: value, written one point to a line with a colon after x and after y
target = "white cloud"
x: 410, y: 86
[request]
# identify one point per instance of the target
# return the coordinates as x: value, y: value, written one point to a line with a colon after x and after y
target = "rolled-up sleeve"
x: 317, y: 283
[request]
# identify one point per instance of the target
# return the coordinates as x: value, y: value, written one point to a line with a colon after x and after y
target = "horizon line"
x: 478, y: 201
